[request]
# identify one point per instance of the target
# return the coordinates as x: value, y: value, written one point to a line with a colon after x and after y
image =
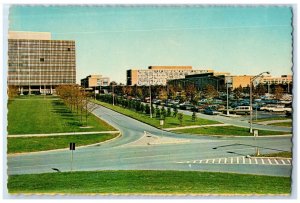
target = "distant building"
x: 283, y: 79
x: 159, y: 75
x: 37, y: 64
x: 94, y: 81
x: 240, y: 81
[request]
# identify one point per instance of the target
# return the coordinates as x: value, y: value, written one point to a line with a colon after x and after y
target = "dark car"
x: 211, y: 111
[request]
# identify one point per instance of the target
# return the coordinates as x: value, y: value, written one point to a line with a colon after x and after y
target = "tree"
x: 163, y: 113
x: 175, y: 111
x: 238, y: 92
x: 169, y: 112
x: 180, y: 118
x: 191, y: 92
x: 147, y: 109
x: 12, y: 91
x: 157, y: 112
x: 278, y: 92
x: 142, y: 108
x: 194, y: 116
x: 163, y: 94
x: 260, y: 90
x: 210, y: 92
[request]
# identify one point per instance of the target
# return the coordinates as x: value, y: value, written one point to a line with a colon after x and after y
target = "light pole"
x: 150, y: 97
x: 251, y: 83
x: 113, y: 92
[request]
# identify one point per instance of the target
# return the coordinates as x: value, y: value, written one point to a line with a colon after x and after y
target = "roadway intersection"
x: 143, y: 147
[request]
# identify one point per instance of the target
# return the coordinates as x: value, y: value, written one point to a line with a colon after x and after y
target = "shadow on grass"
x: 69, y: 119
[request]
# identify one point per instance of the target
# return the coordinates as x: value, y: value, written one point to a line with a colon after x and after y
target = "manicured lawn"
x: 278, y: 154
x: 33, y: 144
x: 284, y: 124
x: 33, y: 116
x: 271, y: 119
x: 227, y: 130
x: 169, y: 122
x: 148, y: 182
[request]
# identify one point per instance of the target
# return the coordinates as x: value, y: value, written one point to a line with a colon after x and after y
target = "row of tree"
x: 159, y: 113
x: 192, y: 94
x: 77, y: 100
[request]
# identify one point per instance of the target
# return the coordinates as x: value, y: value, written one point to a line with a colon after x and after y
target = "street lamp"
x: 251, y: 83
x: 150, y: 96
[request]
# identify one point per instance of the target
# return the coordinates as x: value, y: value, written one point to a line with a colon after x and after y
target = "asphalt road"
x: 156, y: 150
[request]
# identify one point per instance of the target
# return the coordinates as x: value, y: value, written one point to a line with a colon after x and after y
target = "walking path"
x: 59, y: 134
x: 196, y: 126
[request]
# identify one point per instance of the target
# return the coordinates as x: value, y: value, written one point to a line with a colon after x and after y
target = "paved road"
x: 238, y: 121
x: 155, y: 150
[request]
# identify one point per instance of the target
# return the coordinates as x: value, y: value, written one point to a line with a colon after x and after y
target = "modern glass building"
x: 37, y: 64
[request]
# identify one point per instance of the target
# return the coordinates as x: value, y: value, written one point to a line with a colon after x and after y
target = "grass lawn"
x: 170, y: 122
x: 278, y: 154
x: 271, y: 119
x: 148, y: 182
x: 284, y: 124
x: 33, y: 144
x: 34, y: 116
x: 227, y: 130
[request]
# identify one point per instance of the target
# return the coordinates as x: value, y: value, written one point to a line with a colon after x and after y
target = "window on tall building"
x: 42, y: 59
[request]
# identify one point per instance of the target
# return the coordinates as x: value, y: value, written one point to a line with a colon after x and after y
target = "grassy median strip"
x: 34, y: 116
x: 282, y: 124
x: 34, y: 144
x: 278, y: 154
x: 227, y: 130
x: 148, y: 182
x: 170, y: 122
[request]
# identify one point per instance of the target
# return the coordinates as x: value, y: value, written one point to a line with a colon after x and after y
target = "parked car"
x: 242, y: 110
x: 211, y: 111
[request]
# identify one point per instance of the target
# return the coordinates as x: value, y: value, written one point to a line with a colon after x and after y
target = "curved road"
x: 158, y: 150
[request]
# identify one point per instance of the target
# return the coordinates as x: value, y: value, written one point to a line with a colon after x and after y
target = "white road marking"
x: 231, y: 160
x: 262, y: 161
x: 250, y: 161
x: 194, y: 161
x: 269, y: 161
x: 225, y: 160
x: 289, y: 161
x: 255, y: 161
x: 276, y: 161
x: 201, y: 161
x: 219, y: 160
x: 237, y: 160
x: 282, y: 161
x: 206, y: 161
x: 213, y: 161
x: 243, y: 160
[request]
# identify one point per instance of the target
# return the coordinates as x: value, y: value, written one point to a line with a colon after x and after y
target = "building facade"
x: 159, y: 75
x: 37, y: 64
x: 94, y: 81
x: 283, y: 79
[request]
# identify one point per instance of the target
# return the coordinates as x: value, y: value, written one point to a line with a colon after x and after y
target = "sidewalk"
x: 196, y: 126
x: 59, y: 134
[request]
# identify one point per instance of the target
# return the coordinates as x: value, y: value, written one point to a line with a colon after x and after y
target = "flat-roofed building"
x: 37, y: 64
x: 159, y: 75
x: 95, y: 81
x: 283, y: 79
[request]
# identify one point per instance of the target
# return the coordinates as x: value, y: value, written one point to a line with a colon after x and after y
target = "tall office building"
x: 37, y: 64
x: 159, y: 75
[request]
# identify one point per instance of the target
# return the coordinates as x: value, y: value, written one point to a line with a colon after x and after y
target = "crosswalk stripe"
x: 289, y: 161
x: 231, y: 160
x: 276, y: 161
x: 262, y: 161
x: 282, y: 161
x: 269, y: 161
x: 219, y: 160
x: 213, y: 161
x: 243, y: 160
x: 194, y: 161
x: 256, y: 161
x: 237, y: 160
x: 249, y: 161
x: 206, y: 161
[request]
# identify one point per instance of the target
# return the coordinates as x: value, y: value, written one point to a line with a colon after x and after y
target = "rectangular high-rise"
x: 38, y: 64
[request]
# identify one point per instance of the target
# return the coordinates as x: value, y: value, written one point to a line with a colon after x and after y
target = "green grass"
x: 271, y: 119
x: 33, y: 144
x: 283, y: 124
x: 170, y: 122
x: 227, y: 130
x: 34, y: 116
x: 148, y: 182
x: 278, y: 154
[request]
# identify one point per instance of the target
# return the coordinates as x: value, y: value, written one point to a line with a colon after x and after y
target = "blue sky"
x: 110, y: 40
